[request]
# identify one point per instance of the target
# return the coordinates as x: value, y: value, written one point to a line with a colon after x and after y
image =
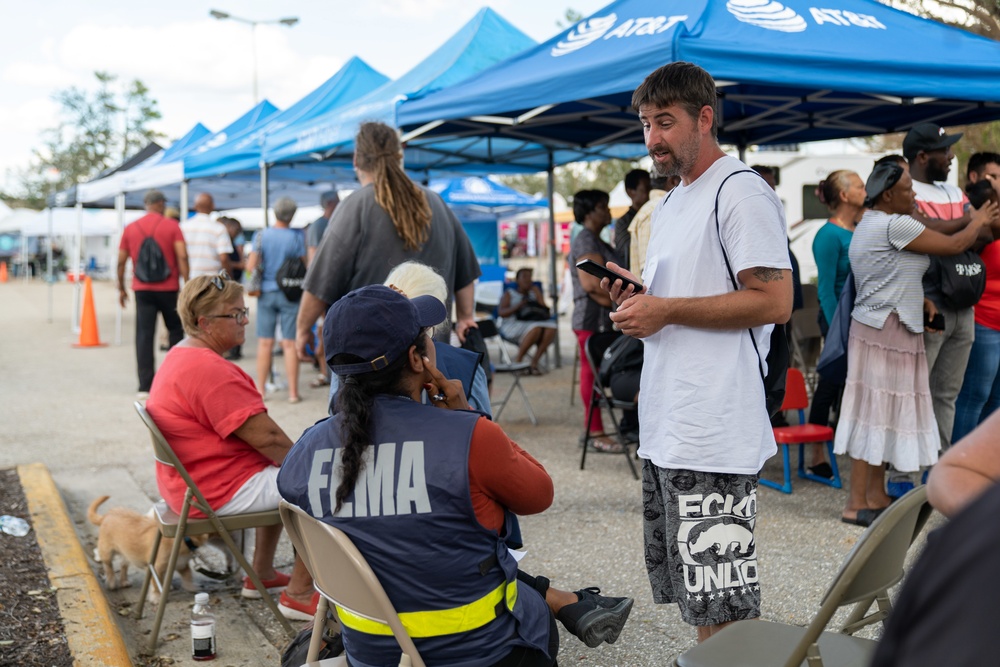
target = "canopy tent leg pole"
x: 120, y: 209
x: 263, y: 193
x: 48, y: 265
x: 24, y: 258
x: 743, y: 153
x: 183, y: 204
x: 77, y: 291
x: 553, y: 283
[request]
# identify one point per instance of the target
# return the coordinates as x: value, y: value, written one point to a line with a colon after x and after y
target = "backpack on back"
x: 290, y: 276
x: 778, y: 355
x: 151, y: 264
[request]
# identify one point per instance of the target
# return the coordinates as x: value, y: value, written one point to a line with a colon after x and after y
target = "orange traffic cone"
x: 3, y: 272
x: 88, y: 319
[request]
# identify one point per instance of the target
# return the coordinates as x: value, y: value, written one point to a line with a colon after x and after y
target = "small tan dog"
x: 130, y: 534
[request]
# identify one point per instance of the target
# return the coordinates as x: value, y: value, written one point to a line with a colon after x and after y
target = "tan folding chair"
x: 180, y: 526
x: 341, y: 574
x: 873, y: 566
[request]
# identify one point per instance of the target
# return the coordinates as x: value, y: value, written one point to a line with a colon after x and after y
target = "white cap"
x: 201, y: 598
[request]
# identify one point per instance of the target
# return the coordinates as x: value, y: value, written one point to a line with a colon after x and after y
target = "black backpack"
x: 778, y: 355
x: 150, y: 264
x: 290, y: 276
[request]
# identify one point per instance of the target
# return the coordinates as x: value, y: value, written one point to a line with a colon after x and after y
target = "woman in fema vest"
x: 435, y: 534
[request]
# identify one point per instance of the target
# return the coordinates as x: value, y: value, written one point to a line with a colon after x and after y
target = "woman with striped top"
x: 886, y: 414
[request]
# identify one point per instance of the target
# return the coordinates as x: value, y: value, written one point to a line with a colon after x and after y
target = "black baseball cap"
x: 377, y: 324
x: 883, y: 177
x: 928, y: 137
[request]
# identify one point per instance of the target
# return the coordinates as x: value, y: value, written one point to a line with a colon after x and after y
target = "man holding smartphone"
x: 704, y: 428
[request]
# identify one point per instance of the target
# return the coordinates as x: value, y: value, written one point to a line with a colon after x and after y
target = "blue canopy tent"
x: 478, y: 203
x: 168, y: 174
x: 786, y: 72
x: 242, y: 154
x: 484, y: 41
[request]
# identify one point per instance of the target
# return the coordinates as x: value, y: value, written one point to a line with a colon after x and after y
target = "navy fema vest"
x: 452, y: 581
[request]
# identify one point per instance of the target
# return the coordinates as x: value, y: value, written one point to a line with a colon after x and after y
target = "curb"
x: 91, y: 630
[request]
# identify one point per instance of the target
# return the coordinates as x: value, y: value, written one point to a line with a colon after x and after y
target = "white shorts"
x: 258, y: 494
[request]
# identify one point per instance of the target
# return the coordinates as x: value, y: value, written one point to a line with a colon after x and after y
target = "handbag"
x: 832, y: 363
x: 963, y: 279
x: 255, y: 278
x: 533, y: 311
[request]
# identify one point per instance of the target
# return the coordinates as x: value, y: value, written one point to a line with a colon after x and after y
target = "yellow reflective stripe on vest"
x: 439, y: 622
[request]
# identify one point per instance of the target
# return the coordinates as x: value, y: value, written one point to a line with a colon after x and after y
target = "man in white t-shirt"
x: 704, y: 429
x: 207, y: 240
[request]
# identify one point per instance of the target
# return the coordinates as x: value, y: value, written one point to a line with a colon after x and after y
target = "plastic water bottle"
x: 13, y: 525
x: 202, y: 629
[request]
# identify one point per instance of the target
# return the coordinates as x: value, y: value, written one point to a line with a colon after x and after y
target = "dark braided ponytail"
x: 355, y: 402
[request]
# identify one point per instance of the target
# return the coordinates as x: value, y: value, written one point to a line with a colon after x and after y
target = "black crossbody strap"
x: 729, y: 268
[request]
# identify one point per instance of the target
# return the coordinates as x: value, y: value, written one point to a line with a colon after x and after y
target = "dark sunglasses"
x: 219, y: 281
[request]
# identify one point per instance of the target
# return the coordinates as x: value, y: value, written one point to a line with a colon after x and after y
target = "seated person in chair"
x: 214, y: 419
x: 435, y: 534
x: 526, y: 319
x: 413, y: 279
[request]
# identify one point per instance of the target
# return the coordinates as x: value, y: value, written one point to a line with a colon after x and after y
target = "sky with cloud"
x: 200, y: 69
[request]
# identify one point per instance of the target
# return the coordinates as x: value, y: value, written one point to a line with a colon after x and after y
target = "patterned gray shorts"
x: 700, y: 548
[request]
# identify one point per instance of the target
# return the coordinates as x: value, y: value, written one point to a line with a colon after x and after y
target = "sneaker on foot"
x: 296, y: 611
x: 272, y: 585
x: 595, y: 618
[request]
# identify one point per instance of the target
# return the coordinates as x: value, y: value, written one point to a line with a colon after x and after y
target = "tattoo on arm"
x: 767, y: 275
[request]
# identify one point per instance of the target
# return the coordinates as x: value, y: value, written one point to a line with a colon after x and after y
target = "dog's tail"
x: 92, y: 514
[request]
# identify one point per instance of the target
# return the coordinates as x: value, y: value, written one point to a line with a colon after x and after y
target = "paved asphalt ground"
x: 71, y: 409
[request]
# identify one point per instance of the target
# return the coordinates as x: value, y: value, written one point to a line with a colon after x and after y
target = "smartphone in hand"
x: 595, y: 269
x: 936, y: 323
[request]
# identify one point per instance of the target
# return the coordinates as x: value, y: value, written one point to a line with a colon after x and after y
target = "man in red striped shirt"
x: 944, y: 208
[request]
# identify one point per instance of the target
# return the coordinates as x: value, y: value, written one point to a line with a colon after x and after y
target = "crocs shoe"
x: 898, y: 489
x: 296, y: 611
x: 272, y: 585
x: 595, y: 618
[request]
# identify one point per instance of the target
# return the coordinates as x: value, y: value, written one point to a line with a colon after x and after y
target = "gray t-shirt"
x: 888, y: 278
x: 588, y: 315
x: 361, y: 247
x: 315, y: 232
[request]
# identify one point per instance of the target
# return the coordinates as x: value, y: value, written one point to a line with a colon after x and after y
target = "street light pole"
x: 287, y: 21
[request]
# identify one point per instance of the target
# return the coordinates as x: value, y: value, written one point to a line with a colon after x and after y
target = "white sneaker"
x: 142, y: 395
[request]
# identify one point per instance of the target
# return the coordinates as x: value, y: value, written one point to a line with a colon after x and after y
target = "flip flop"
x: 864, y: 518
x: 605, y: 444
x: 320, y: 381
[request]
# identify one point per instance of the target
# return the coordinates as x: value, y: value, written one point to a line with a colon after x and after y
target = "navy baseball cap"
x: 377, y: 324
x: 927, y: 137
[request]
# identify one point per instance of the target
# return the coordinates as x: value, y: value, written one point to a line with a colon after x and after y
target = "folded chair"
x: 601, y: 399
x: 800, y: 434
x: 341, y: 574
x: 506, y: 366
x: 180, y: 527
x: 873, y: 566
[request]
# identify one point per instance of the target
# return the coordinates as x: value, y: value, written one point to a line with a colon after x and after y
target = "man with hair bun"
x: 388, y: 221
